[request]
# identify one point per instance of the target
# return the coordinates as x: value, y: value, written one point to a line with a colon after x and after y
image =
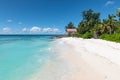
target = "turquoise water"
x: 22, y: 56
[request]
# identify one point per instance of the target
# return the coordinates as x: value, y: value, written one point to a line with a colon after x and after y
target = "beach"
x: 82, y: 59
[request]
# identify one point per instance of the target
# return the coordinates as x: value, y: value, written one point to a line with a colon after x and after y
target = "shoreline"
x: 82, y: 59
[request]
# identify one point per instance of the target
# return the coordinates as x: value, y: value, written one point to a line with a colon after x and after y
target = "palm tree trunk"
x: 95, y: 34
x: 110, y: 30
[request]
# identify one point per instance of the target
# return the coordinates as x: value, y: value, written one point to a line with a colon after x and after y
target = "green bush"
x: 87, y: 35
x: 112, y: 37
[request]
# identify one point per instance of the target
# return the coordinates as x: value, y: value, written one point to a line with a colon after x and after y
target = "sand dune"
x: 82, y: 59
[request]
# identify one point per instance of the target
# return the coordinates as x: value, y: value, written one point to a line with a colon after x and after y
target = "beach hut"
x: 71, y: 32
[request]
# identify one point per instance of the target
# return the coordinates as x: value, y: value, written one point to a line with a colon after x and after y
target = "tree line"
x: 92, y: 25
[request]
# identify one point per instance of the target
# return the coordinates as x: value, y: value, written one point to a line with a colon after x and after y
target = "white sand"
x: 82, y: 59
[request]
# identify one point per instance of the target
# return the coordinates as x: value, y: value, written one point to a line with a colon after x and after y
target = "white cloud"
x: 24, y: 30
x: 9, y: 20
x: 35, y: 29
x: 32, y: 30
x: 50, y: 30
x: 6, y: 30
x: 109, y: 3
x: 47, y: 30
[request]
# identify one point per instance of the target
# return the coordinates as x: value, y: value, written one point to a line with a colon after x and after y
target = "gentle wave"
x: 22, y: 56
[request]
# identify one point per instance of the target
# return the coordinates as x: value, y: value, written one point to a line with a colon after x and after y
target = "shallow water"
x: 22, y: 56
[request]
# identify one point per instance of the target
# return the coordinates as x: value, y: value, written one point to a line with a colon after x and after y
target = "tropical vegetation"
x: 91, y: 26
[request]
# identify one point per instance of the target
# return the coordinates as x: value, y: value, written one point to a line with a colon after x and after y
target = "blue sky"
x: 48, y: 16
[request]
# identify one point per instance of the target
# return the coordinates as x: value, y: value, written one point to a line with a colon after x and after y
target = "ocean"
x: 21, y: 56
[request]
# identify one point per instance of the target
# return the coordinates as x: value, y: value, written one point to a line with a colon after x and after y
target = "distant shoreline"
x: 31, y: 34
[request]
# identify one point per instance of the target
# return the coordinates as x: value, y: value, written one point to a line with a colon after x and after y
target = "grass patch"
x: 111, y: 37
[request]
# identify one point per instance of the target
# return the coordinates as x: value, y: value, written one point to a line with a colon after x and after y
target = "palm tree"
x: 81, y: 27
x: 104, y: 26
x: 97, y: 30
x: 111, y: 23
x: 118, y: 13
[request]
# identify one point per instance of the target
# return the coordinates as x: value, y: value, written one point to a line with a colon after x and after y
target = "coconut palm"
x: 118, y: 13
x: 82, y: 27
x: 111, y: 23
x: 104, y: 27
